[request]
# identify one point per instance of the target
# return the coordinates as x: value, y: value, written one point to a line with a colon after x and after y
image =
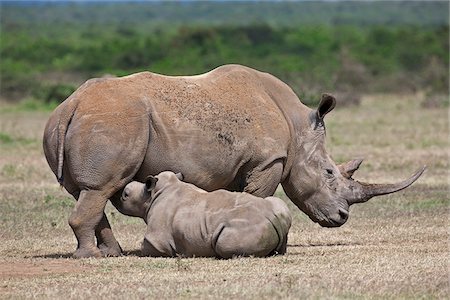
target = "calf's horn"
x: 372, y: 190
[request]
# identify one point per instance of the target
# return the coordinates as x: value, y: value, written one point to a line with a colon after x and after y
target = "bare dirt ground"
x: 392, y: 247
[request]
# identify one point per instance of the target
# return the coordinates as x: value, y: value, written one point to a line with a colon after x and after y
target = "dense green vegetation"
x: 175, y: 13
x: 47, y: 50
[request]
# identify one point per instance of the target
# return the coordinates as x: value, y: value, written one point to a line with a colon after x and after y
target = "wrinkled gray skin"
x: 184, y: 220
x: 234, y: 128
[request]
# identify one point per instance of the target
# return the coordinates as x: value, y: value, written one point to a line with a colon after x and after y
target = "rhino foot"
x: 87, y: 252
x: 107, y: 251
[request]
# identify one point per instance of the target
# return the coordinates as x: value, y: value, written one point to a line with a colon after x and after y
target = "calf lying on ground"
x: 185, y: 220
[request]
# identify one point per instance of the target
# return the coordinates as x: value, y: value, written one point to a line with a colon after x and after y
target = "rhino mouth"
x: 336, y: 220
x: 331, y: 224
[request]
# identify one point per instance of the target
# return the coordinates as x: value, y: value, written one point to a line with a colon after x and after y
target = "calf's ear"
x: 150, y: 183
x: 179, y: 176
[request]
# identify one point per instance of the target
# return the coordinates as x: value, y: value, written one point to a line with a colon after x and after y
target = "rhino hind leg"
x: 84, y: 218
x: 106, y: 241
x: 88, y: 220
x: 100, y: 162
x: 234, y: 241
x: 281, y: 249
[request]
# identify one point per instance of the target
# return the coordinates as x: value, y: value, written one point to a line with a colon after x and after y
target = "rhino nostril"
x: 343, y: 213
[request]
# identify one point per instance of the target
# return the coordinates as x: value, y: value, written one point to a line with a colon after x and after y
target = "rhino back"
x: 212, y: 125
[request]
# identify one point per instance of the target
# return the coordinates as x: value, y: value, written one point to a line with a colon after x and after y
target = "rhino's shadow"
x: 136, y: 252
x: 293, y: 251
x: 53, y: 255
x: 323, y: 245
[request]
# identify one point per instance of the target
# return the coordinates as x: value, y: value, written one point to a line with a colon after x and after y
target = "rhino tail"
x: 63, y: 124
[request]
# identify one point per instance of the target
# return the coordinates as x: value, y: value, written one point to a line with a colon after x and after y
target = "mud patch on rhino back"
x: 224, y: 107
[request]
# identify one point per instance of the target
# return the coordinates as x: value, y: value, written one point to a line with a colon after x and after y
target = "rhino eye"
x: 329, y: 171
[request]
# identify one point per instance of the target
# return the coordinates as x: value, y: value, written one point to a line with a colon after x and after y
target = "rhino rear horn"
x: 347, y: 169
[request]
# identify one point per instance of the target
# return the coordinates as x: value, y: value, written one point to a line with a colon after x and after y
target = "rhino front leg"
x: 106, y: 241
x: 84, y: 219
x: 263, y: 183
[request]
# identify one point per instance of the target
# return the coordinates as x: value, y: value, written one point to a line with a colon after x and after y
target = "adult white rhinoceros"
x: 233, y: 127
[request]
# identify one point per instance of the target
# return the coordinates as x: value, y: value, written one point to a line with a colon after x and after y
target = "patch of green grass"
x: 151, y: 264
x: 11, y: 171
x: 280, y: 193
x: 427, y: 204
x: 105, y: 266
x: 5, y: 138
x: 8, y: 140
x: 117, y: 218
x: 18, y: 172
x: 30, y: 104
x: 56, y: 202
x: 183, y: 264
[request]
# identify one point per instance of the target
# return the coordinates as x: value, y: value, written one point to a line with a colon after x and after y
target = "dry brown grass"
x: 392, y: 247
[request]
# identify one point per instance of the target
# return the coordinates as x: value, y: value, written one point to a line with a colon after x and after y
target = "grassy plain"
x: 392, y: 247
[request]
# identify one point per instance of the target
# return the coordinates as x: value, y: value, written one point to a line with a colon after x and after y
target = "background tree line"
x: 351, y: 48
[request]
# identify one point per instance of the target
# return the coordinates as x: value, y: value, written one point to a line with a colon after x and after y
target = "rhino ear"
x: 327, y: 103
x: 179, y: 176
x: 150, y: 183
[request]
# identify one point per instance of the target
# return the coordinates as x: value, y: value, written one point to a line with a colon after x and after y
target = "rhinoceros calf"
x: 185, y: 220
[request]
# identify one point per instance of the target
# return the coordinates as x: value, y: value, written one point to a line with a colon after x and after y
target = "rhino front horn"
x: 372, y: 190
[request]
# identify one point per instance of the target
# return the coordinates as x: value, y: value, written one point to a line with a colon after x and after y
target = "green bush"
x: 318, y: 56
x: 53, y: 93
